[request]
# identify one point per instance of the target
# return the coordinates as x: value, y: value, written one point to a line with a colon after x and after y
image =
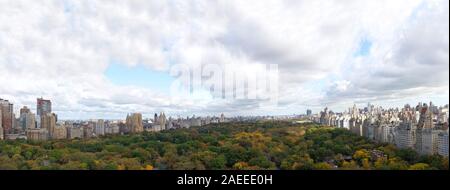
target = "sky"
x: 107, y: 58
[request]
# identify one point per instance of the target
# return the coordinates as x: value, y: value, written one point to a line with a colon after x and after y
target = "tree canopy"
x: 269, y: 145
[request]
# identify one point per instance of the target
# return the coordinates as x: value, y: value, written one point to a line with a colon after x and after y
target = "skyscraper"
x: 100, y: 127
x: 43, y: 107
x: 27, y: 120
x: 1, y: 133
x: 7, y: 116
x: 1, y: 128
x: 134, y: 123
x: 162, y: 120
x: 48, y: 121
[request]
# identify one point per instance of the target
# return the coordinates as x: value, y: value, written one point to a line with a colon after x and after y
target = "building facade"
x: 443, y: 144
x: 134, y: 123
x: 100, y: 128
x: 37, y: 134
x: 406, y: 136
x: 48, y: 121
x: 2, y: 136
x: 7, y: 116
x: 60, y: 132
x: 43, y: 106
x: 27, y: 119
x: 74, y: 132
x: 423, y: 128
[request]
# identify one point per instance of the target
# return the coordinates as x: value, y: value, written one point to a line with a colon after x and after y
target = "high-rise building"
x: 1, y: 127
x: 60, y: 132
x: 112, y: 128
x: 24, y: 110
x: 43, y: 107
x: 7, y: 116
x: 308, y: 112
x: 426, y: 117
x: 27, y: 119
x: 222, y: 118
x: 1, y: 133
x: 74, y: 132
x: 162, y: 120
x: 48, y: 121
x: 443, y: 144
x: 88, y: 130
x: 427, y: 141
x: 100, y: 128
x: 1, y: 124
x: 134, y: 123
x: 406, y: 135
x: 37, y: 134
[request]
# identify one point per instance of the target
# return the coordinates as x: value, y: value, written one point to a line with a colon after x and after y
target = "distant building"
x: 387, y: 133
x: 27, y: 119
x: 155, y: 128
x: 74, y: 132
x: 406, y: 136
x: 443, y: 144
x: 15, y: 136
x: 37, y: 134
x: 1, y: 126
x: 308, y: 112
x: 43, y: 107
x: 112, y: 129
x: 48, y: 121
x: 88, y: 130
x: 426, y: 142
x: 222, y: 118
x: 2, y: 136
x: 7, y: 118
x: 162, y: 121
x: 60, y: 132
x: 100, y: 128
x: 134, y: 123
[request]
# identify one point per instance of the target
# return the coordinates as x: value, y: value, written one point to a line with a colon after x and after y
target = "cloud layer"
x: 61, y: 50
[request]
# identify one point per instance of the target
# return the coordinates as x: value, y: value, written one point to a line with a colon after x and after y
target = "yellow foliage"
x: 240, y: 165
x: 366, y: 164
x: 121, y: 167
x: 322, y: 166
x: 361, y: 154
x: 148, y: 167
x: 419, y: 166
x: 380, y: 163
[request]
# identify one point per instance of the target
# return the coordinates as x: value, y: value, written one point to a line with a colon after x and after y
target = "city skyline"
x: 422, y: 127
x: 47, y: 109
x: 104, y: 59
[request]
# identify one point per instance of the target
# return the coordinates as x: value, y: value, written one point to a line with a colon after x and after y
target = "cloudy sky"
x: 106, y: 58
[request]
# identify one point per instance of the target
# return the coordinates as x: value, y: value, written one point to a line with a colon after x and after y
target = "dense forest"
x: 241, y: 146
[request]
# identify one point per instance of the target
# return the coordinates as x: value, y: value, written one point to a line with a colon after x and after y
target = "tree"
x: 217, y: 163
x: 361, y: 154
x: 262, y: 162
x: 351, y: 165
x: 397, y: 164
x: 366, y: 164
x: 409, y: 155
x: 322, y: 166
x: 7, y: 164
x: 419, y: 166
x: 148, y: 167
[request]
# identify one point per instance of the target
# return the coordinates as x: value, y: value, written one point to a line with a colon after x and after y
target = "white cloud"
x: 61, y: 49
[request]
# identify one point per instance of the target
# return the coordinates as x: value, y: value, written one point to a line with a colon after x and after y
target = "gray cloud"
x: 61, y: 49
x: 415, y: 65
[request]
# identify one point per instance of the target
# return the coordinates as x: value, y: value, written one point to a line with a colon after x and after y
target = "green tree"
x: 419, y: 166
